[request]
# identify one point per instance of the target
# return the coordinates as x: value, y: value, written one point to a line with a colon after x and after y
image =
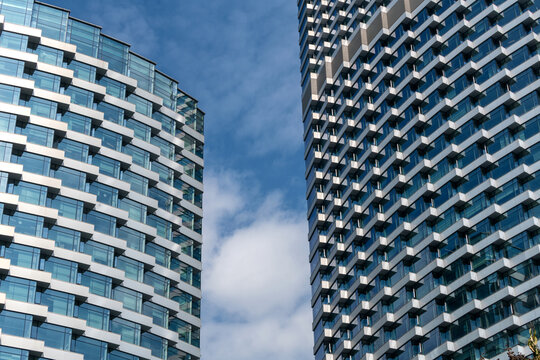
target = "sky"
x: 239, y: 58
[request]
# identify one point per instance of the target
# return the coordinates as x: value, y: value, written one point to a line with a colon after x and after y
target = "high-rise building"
x: 422, y: 148
x: 101, y: 161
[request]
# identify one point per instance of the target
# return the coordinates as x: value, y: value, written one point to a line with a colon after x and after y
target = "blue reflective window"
x: 166, y: 175
x: 36, y: 134
x: 102, y: 223
x: 159, y: 283
x: 142, y: 106
x: 166, y: 148
x: 157, y: 345
x: 140, y: 130
x: 71, y: 178
x: 57, y: 302
x: 77, y: 122
x: 111, y: 113
x: 139, y: 156
x: 45, y: 80
x: 74, y: 150
x: 138, y: 183
x: 131, y: 300
x: 54, y: 336
x: 162, y: 255
x: 129, y: 331
x: 85, y: 36
x: 134, y: 239
x: 67, y: 207
x: 143, y: 71
x: 28, y: 192
x: 83, y: 71
x: 97, y: 284
x: 136, y: 211
x: 7, y: 122
x: 101, y: 253
x: 11, y: 67
x: 21, y: 255
x: 167, y: 124
x: 95, y: 316
x: 8, y: 353
x: 9, y: 94
x: 24, y: 223
x: 14, y: 323
x: 17, y: 11
x: 18, y: 289
x: 64, y: 238
x: 163, y: 227
x: 13, y: 41
x: 105, y: 194
x: 107, y: 166
x: 90, y: 348
x: 80, y: 96
x: 61, y: 269
x: 51, y: 21
x: 49, y: 55
x: 167, y: 89
x: 115, y: 53
x: 133, y: 269
x: 41, y: 107
x: 113, y: 87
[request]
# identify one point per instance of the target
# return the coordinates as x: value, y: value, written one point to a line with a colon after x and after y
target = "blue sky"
x: 239, y: 58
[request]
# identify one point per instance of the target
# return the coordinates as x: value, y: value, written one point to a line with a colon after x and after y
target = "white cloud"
x: 256, y: 275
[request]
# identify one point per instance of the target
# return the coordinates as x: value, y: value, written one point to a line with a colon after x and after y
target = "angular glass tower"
x: 101, y: 161
x: 422, y: 157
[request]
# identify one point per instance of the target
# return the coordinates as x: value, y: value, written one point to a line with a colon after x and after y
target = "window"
x: 138, y: 183
x: 16, y: 324
x: 51, y: 21
x: 157, y: 345
x: 104, y: 193
x: 85, y: 36
x: 95, y: 316
x: 28, y: 192
x: 107, y: 166
x: 115, y: 53
x: 33, y: 163
x: 83, y: 71
x: 162, y: 255
x: 163, y: 227
x: 166, y: 148
x: 37, y: 134
x: 71, y: 178
x: 57, y: 302
x: 90, y: 348
x: 101, y: 253
x: 111, y: 113
x: 167, y: 124
x: 140, y: 130
x: 166, y: 175
x: 167, y: 89
x: 61, y: 269
x: 138, y: 156
x: 12, y: 40
x: 80, y: 96
x: 142, y: 106
x: 17, y: 11
x: 142, y: 71
x: 67, y: 207
x: 189, y: 247
x: 9, y: 94
x: 97, y: 284
x: 10, y: 66
x: 45, y: 80
x: 159, y: 314
x: 136, y: 211
x: 49, y: 55
x: 134, y: 239
x: 160, y: 283
x: 113, y: 87
x: 129, y: 331
x: 24, y: 223
x: 64, y: 238
x: 54, y: 336
x: 109, y: 139
x: 102, y: 223
x: 18, y: 289
x: 133, y: 269
x: 77, y: 122
x: 132, y: 300
x: 21, y: 255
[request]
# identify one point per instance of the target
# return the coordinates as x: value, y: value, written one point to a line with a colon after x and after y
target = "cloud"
x: 255, y: 276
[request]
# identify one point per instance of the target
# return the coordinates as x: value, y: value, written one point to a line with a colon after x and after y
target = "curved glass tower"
x: 422, y: 134
x: 101, y: 162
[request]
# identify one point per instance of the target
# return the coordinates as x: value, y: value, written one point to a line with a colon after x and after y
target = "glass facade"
x: 101, y: 196
x: 422, y: 148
